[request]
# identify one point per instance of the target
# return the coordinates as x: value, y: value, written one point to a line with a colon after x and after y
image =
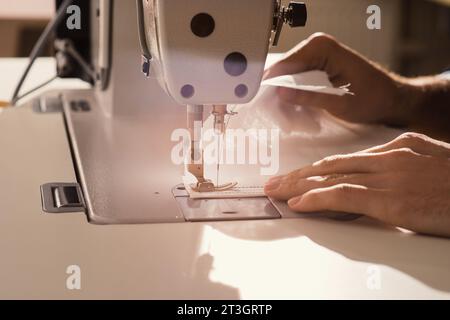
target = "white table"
x: 27, y: 9
x: 303, y: 258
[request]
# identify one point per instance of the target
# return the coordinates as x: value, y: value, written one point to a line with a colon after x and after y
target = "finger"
x: 386, y: 163
x: 342, y: 164
x: 310, y: 54
x: 418, y: 143
x: 329, y: 102
x: 389, y: 161
x: 284, y: 190
x: 342, y: 198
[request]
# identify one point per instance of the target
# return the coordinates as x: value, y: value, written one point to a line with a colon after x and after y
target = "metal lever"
x: 295, y: 15
x: 146, y: 57
x: 62, y: 197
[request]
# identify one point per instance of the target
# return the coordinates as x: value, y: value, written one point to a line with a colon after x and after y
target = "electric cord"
x: 39, y: 46
x: 43, y: 84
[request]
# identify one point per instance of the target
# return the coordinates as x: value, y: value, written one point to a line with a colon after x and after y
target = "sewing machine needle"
x: 218, y: 159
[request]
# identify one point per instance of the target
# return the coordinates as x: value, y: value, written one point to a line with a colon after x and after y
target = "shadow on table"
x: 425, y: 258
x: 207, y: 288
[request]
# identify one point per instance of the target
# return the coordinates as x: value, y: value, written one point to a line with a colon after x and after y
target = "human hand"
x: 405, y: 183
x: 379, y: 96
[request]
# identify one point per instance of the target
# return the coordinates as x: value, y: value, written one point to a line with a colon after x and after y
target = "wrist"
x: 413, y: 95
x: 417, y: 98
x: 406, y: 97
x: 425, y: 97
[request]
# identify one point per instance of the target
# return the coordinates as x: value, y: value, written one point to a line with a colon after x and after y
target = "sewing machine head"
x: 211, y: 52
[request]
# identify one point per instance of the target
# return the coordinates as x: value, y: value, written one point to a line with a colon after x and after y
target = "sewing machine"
x: 191, y: 57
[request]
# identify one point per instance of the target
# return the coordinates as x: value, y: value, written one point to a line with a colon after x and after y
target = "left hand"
x: 405, y: 183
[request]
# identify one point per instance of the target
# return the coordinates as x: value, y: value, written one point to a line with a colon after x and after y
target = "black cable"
x: 36, y: 88
x: 38, y: 47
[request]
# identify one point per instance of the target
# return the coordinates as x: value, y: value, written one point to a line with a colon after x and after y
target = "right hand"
x: 379, y: 96
x: 404, y: 183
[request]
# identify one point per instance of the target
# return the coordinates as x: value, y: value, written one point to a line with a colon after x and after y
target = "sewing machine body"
x: 120, y: 131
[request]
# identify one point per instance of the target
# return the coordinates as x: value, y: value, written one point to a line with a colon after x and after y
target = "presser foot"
x: 208, y: 186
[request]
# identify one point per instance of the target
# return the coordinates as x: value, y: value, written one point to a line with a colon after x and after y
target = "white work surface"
x: 27, y: 9
x: 300, y: 258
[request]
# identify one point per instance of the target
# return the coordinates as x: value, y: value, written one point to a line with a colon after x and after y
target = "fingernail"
x: 294, y: 201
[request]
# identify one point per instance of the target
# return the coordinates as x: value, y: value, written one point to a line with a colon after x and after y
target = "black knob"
x: 296, y: 14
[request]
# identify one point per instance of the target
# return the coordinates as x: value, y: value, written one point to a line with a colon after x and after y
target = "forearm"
x: 429, y: 106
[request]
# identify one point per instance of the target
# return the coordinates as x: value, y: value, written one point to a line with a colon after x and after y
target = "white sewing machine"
x: 195, y: 56
x: 108, y: 154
